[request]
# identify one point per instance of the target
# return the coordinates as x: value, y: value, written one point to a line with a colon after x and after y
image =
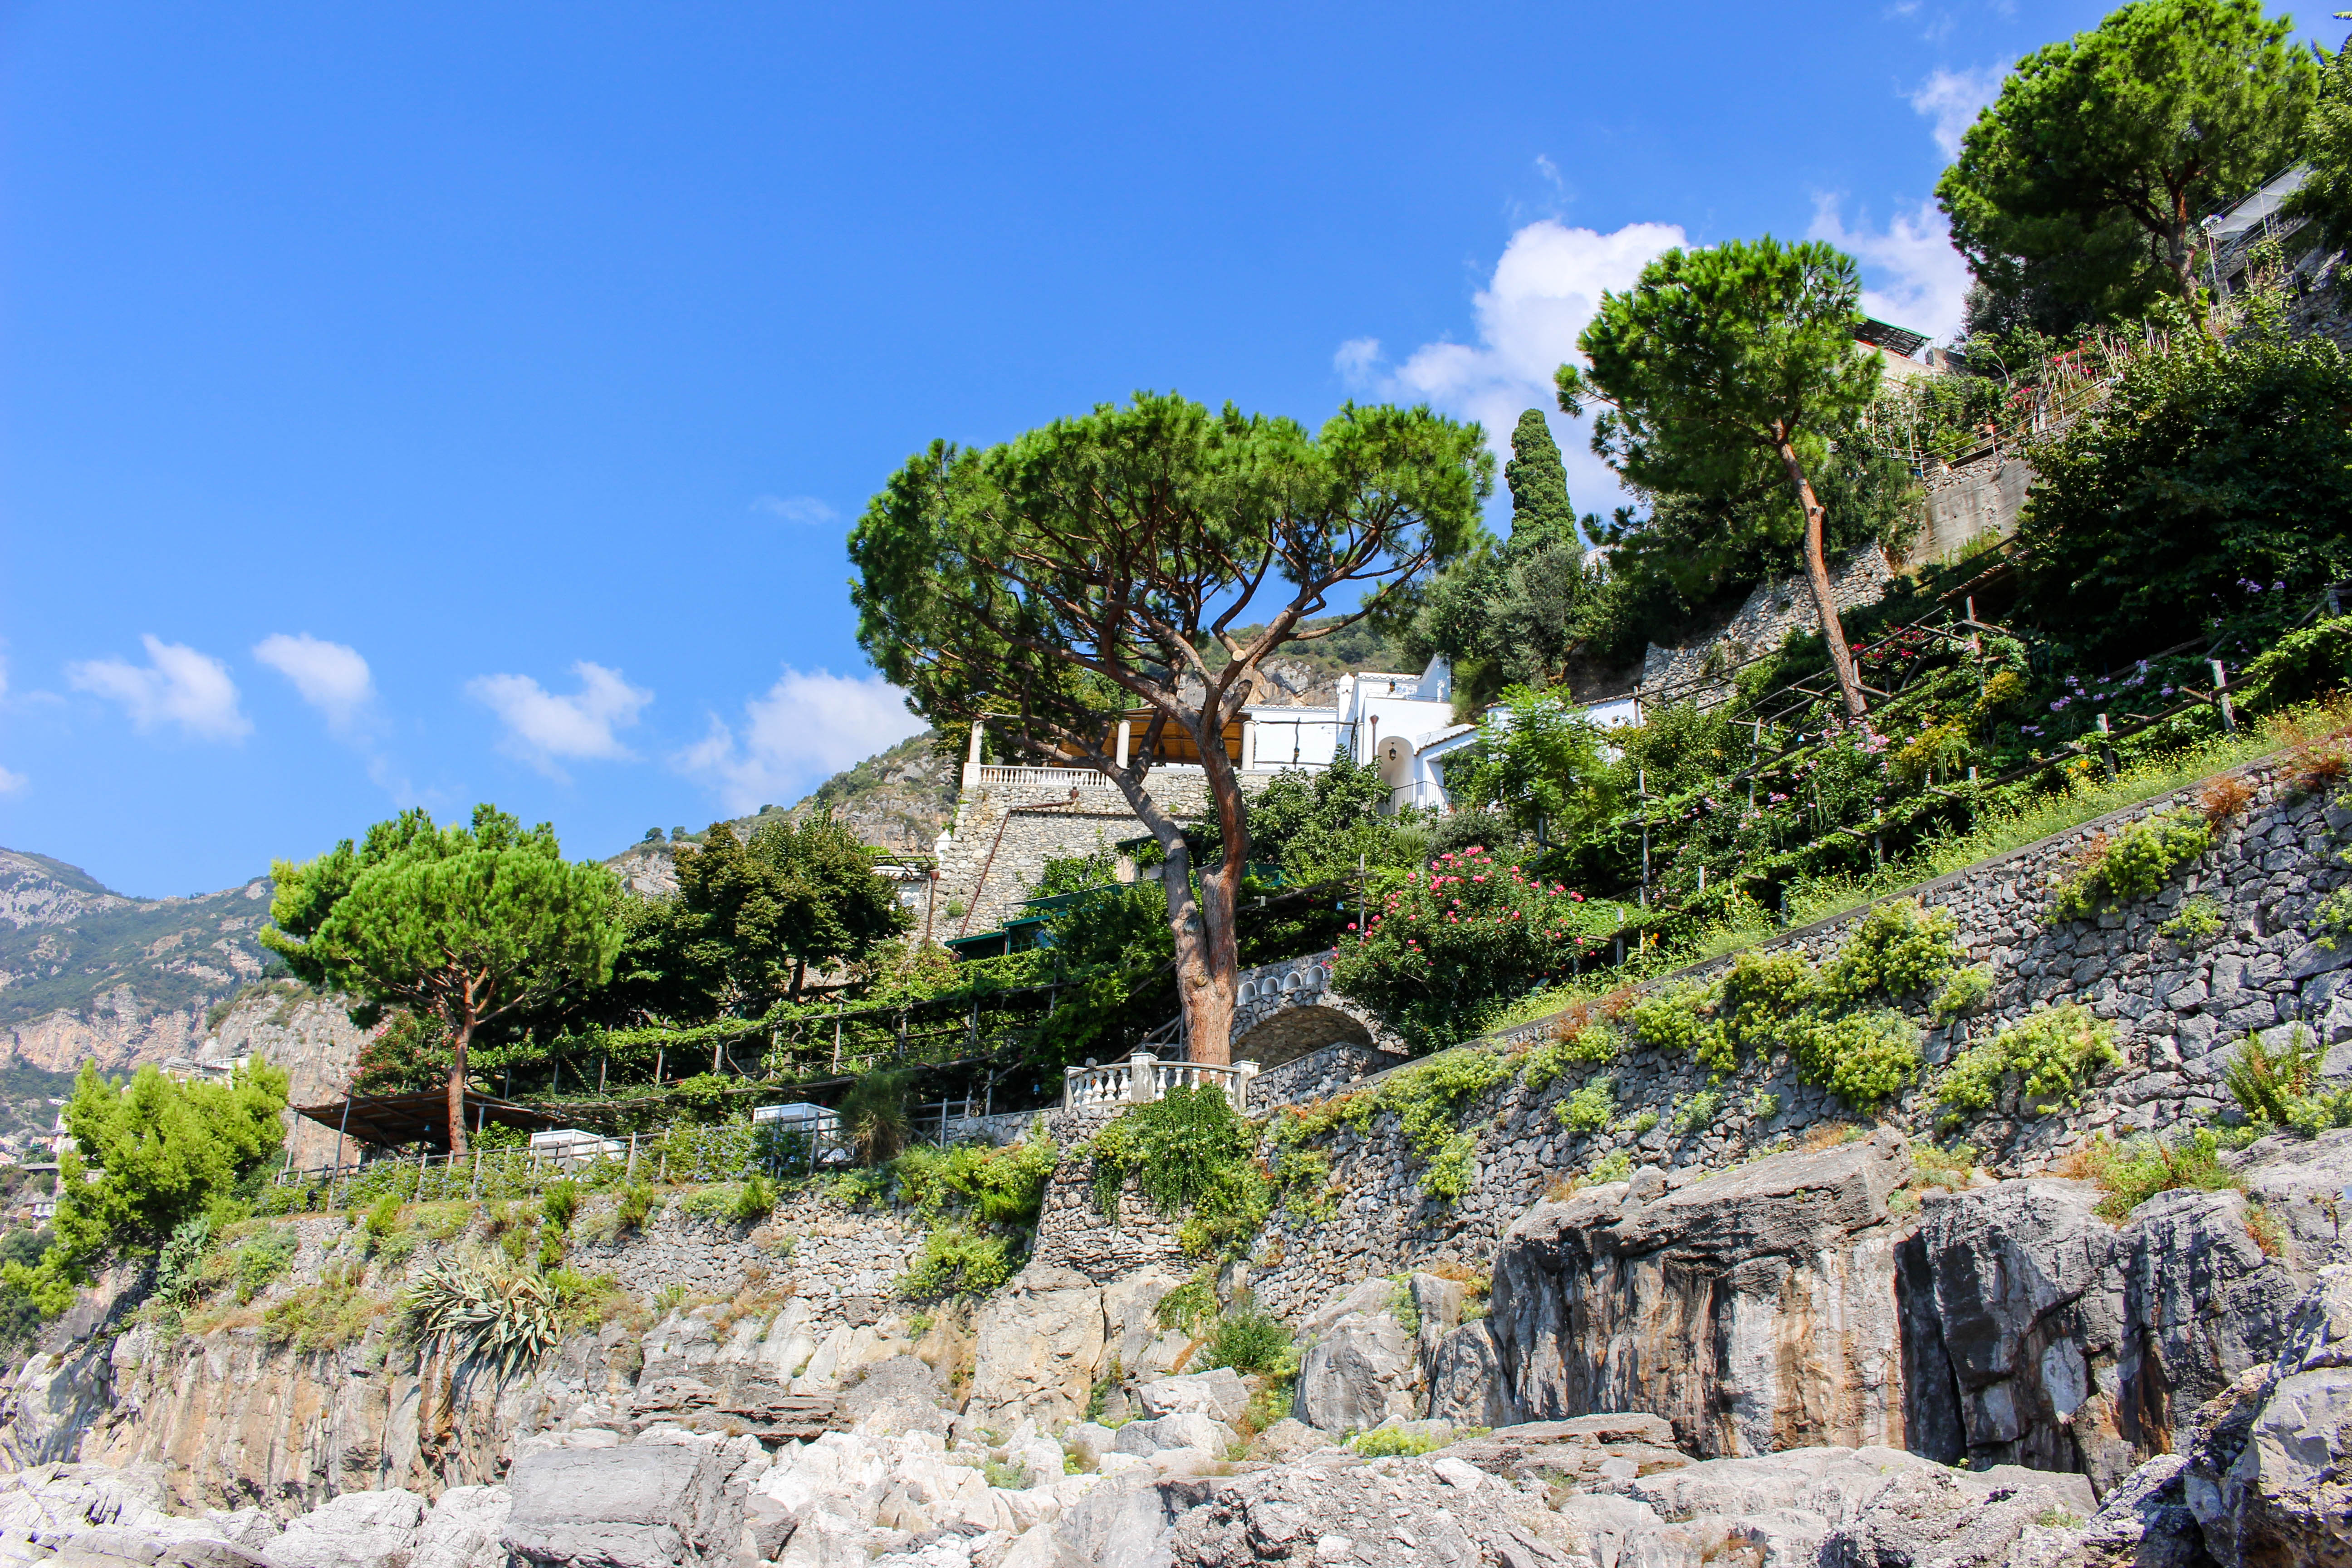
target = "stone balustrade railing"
x: 1144, y: 1078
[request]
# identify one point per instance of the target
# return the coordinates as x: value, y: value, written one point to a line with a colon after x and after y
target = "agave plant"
x: 508, y: 1320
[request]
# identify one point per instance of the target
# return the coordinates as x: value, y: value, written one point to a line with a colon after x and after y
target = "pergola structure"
x: 399, y: 1121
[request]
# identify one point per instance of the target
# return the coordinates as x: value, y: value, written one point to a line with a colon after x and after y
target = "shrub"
x: 1950, y: 1168
x: 1589, y: 1108
x: 1677, y: 1020
x: 637, y: 1205
x: 1700, y: 1113
x: 1640, y: 1122
x: 1428, y: 1100
x: 753, y: 1199
x: 380, y: 1225
x: 1189, y: 1153
x: 586, y: 1300
x: 559, y: 1204
x: 874, y: 1114
x: 264, y: 1256
x: 2131, y: 1173
x: 508, y: 1320
x: 443, y: 1222
x: 958, y: 1262
x: 1614, y: 1167
x: 2053, y: 1051
x: 1003, y: 1186
x: 2197, y: 921
x: 1188, y: 1305
x: 179, y: 1266
x: 2135, y: 864
x: 1762, y: 995
x: 1383, y: 1441
x: 2225, y: 799
x: 1763, y: 1105
x: 1250, y: 1341
x: 1861, y: 1057
x: 1898, y: 950
x: 1964, y: 992
x: 2280, y: 1089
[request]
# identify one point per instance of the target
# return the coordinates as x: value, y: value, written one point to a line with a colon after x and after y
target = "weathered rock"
x: 1220, y: 1393
x: 1590, y: 1449
x: 1755, y: 1310
x: 647, y: 1506
x: 1363, y: 1368
x: 1040, y: 1347
x: 357, y: 1530
x: 464, y: 1529
x: 1402, y: 1513
x: 1929, y: 1517
x: 1290, y: 1438
x: 2285, y: 1500
x: 1185, y: 1429
x: 1465, y: 1379
x: 2302, y: 1181
x: 2145, y: 1521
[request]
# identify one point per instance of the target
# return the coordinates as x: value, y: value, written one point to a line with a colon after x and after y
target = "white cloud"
x: 332, y: 677
x: 1544, y: 291
x: 808, y: 727
x: 1951, y: 99
x: 542, y: 727
x: 176, y: 686
x: 1912, y: 275
x: 11, y: 782
x: 795, y: 509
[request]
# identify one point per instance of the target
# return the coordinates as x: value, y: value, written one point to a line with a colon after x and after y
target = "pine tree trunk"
x: 1817, y: 573
x: 458, y: 1036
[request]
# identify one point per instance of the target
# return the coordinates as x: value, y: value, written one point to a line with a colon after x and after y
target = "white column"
x: 973, y: 758
x: 1122, y: 743
x: 1142, y: 1079
x: 1249, y: 743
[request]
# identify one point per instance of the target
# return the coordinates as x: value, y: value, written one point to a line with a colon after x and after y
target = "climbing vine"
x: 1190, y: 1154
x: 2135, y: 864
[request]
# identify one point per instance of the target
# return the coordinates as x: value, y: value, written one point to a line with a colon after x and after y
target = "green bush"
x: 1763, y: 1105
x: 2300, y: 665
x: 1428, y: 1100
x: 1677, y: 1021
x: 2052, y: 1052
x: 1965, y: 991
x: 1191, y: 1154
x: 2135, y: 864
x: 1897, y: 949
x: 1383, y: 1441
x: 262, y: 1257
x: 637, y: 1205
x: 1700, y: 1112
x: 753, y: 1200
x: 1003, y: 1186
x: 2131, y: 1173
x: 2197, y: 921
x: 1762, y: 994
x: 327, y: 1316
x: 1640, y: 1122
x: 1861, y: 1057
x: 1591, y: 1107
x: 559, y: 1204
x: 508, y: 1320
x: 956, y: 1261
x: 1615, y: 1167
x: 1250, y: 1341
x: 2280, y: 1089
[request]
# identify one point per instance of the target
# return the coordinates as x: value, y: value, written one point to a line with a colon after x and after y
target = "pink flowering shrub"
x: 1443, y: 948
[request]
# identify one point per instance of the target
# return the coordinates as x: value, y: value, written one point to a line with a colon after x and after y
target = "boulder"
x: 1289, y: 1438
x: 465, y: 1530
x: 1220, y: 1393
x: 1185, y: 1429
x: 357, y: 1530
x: 1040, y: 1346
x: 1361, y: 1369
x: 672, y: 1505
x: 2302, y: 1181
x: 2284, y: 1500
x: 1930, y: 1517
x: 1753, y: 1309
x: 1465, y: 1379
x: 2144, y: 1520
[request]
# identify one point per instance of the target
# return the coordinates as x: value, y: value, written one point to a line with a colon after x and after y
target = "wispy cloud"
x: 807, y: 727
x: 543, y: 728
x: 1544, y: 288
x: 795, y: 509
x: 329, y: 676
x: 12, y: 782
x: 176, y: 686
x: 1913, y: 276
x: 1951, y: 101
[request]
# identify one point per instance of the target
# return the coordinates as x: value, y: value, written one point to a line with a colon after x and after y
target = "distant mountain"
x: 87, y: 973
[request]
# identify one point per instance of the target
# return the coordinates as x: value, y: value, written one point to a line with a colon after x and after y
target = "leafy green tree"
x: 750, y: 919
x: 2164, y: 110
x: 1512, y: 612
x: 162, y: 1153
x: 463, y: 925
x: 1723, y: 364
x: 1540, y: 762
x: 1047, y: 585
x: 2216, y: 481
x: 1317, y: 826
x: 2326, y: 196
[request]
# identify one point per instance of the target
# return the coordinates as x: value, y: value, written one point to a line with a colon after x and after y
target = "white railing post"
x: 1070, y: 1086
x: 1241, y: 1079
x: 1142, y: 1079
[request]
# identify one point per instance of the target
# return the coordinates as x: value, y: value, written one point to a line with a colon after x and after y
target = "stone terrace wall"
x: 2179, y: 1015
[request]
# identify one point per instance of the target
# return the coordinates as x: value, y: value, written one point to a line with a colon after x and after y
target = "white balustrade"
x: 1144, y: 1078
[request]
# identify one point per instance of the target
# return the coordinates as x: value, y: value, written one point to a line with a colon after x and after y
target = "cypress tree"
x: 1540, y: 512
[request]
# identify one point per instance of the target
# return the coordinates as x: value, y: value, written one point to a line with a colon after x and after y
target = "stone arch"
x: 1285, y: 1033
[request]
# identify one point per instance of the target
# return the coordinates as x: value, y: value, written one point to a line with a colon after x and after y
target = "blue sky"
x: 434, y: 403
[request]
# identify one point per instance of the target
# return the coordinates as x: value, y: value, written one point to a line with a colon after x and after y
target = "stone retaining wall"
x: 2179, y: 1012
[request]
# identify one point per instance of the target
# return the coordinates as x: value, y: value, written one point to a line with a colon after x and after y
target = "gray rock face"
x: 358, y: 1530
x: 2036, y: 1333
x: 1754, y: 1309
x: 1220, y: 1393
x: 1465, y: 1380
x: 662, y: 1506
x: 2271, y: 1480
x: 1362, y: 1370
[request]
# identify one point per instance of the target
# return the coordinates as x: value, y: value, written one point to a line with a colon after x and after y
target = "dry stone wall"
x: 2180, y: 1011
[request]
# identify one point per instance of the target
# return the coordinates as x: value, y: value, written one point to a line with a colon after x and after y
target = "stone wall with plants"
x: 2103, y: 984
